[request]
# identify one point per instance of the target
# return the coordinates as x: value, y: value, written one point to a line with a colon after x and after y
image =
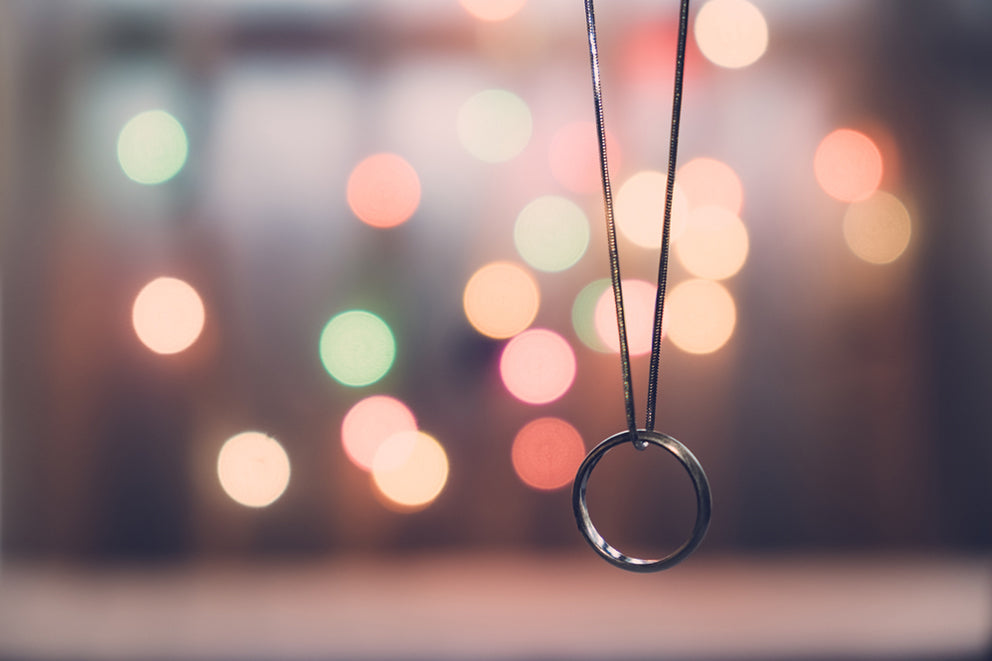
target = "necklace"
x: 641, y: 438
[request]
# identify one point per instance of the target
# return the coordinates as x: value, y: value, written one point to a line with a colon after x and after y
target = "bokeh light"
x: 700, y: 316
x: 551, y: 233
x: 714, y: 245
x: 709, y: 182
x: 492, y: 10
x: 369, y: 423
x: 383, y: 190
x: 584, y: 314
x: 878, y: 229
x: 639, y: 300
x: 357, y: 348
x: 167, y: 315
x: 547, y: 452
x: 640, y: 209
x: 731, y: 33
x: 152, y: 147
x: 537, y: 366
x: 410, y: 469
x: 848, y: 165
x: 573, y: 157
x: 253, y: 469
x: 647, y: 51
x: 494, y: 125
x: 501, y: 299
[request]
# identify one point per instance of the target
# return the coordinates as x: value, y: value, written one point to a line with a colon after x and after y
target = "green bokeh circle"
x: 357, y: 348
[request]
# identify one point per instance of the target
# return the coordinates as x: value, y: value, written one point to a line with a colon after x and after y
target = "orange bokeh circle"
x: 383, y: 190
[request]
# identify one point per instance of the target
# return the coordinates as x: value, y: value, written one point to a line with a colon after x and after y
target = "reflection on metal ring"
x: 699, y: 483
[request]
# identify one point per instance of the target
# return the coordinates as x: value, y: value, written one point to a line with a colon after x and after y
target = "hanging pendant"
x: 699, y: 483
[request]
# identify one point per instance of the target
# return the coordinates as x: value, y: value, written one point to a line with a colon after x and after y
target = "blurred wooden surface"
x: 503, y: 607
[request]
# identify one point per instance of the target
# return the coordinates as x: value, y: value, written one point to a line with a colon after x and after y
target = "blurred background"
x: 306, y: 331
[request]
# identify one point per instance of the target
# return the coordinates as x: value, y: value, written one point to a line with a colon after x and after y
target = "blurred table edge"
x: 502, y: 606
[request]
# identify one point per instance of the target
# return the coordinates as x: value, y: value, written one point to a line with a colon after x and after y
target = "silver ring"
x: 602, y: 547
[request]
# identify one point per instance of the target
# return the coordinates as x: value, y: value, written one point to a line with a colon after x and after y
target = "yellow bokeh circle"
x: 700, y: 316
x: 878, y: 229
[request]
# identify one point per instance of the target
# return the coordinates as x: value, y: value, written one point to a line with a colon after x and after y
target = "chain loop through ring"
x: 596, y: 540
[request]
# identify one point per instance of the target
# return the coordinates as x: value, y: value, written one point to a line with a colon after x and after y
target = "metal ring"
x: 602, y: 547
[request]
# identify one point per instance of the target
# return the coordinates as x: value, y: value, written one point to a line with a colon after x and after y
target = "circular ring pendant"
x: 699, y: 482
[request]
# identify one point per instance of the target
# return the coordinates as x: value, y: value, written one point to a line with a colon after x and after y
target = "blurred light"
x: 709, y: 182
x: 369, y: 423
x: 551, y: 233
x: 640, y: 208
x: 699, y: 316
x: 584, y: 314
x: 167, y: 315
x: 537, y: 366
x: 492, y: 10
x: 253, y: 469
x: 648, y: 49
x: 501, y: 299
x: 574, y: 157
x: 494, y: 125
x: 410, y: 469
x: 357, y: 348
x: 714, y: 245
x: 848, y: 165
x: 547, y: 452
x: 383, y: 190
x: 877, y: 229
x: 639, y: 300
x: 152, y: 147
x: 731, y: 33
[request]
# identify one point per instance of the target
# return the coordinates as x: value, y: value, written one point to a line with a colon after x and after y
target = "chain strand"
x: 611, y: 234
x: 673, y: 149
x: 611, y: 230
